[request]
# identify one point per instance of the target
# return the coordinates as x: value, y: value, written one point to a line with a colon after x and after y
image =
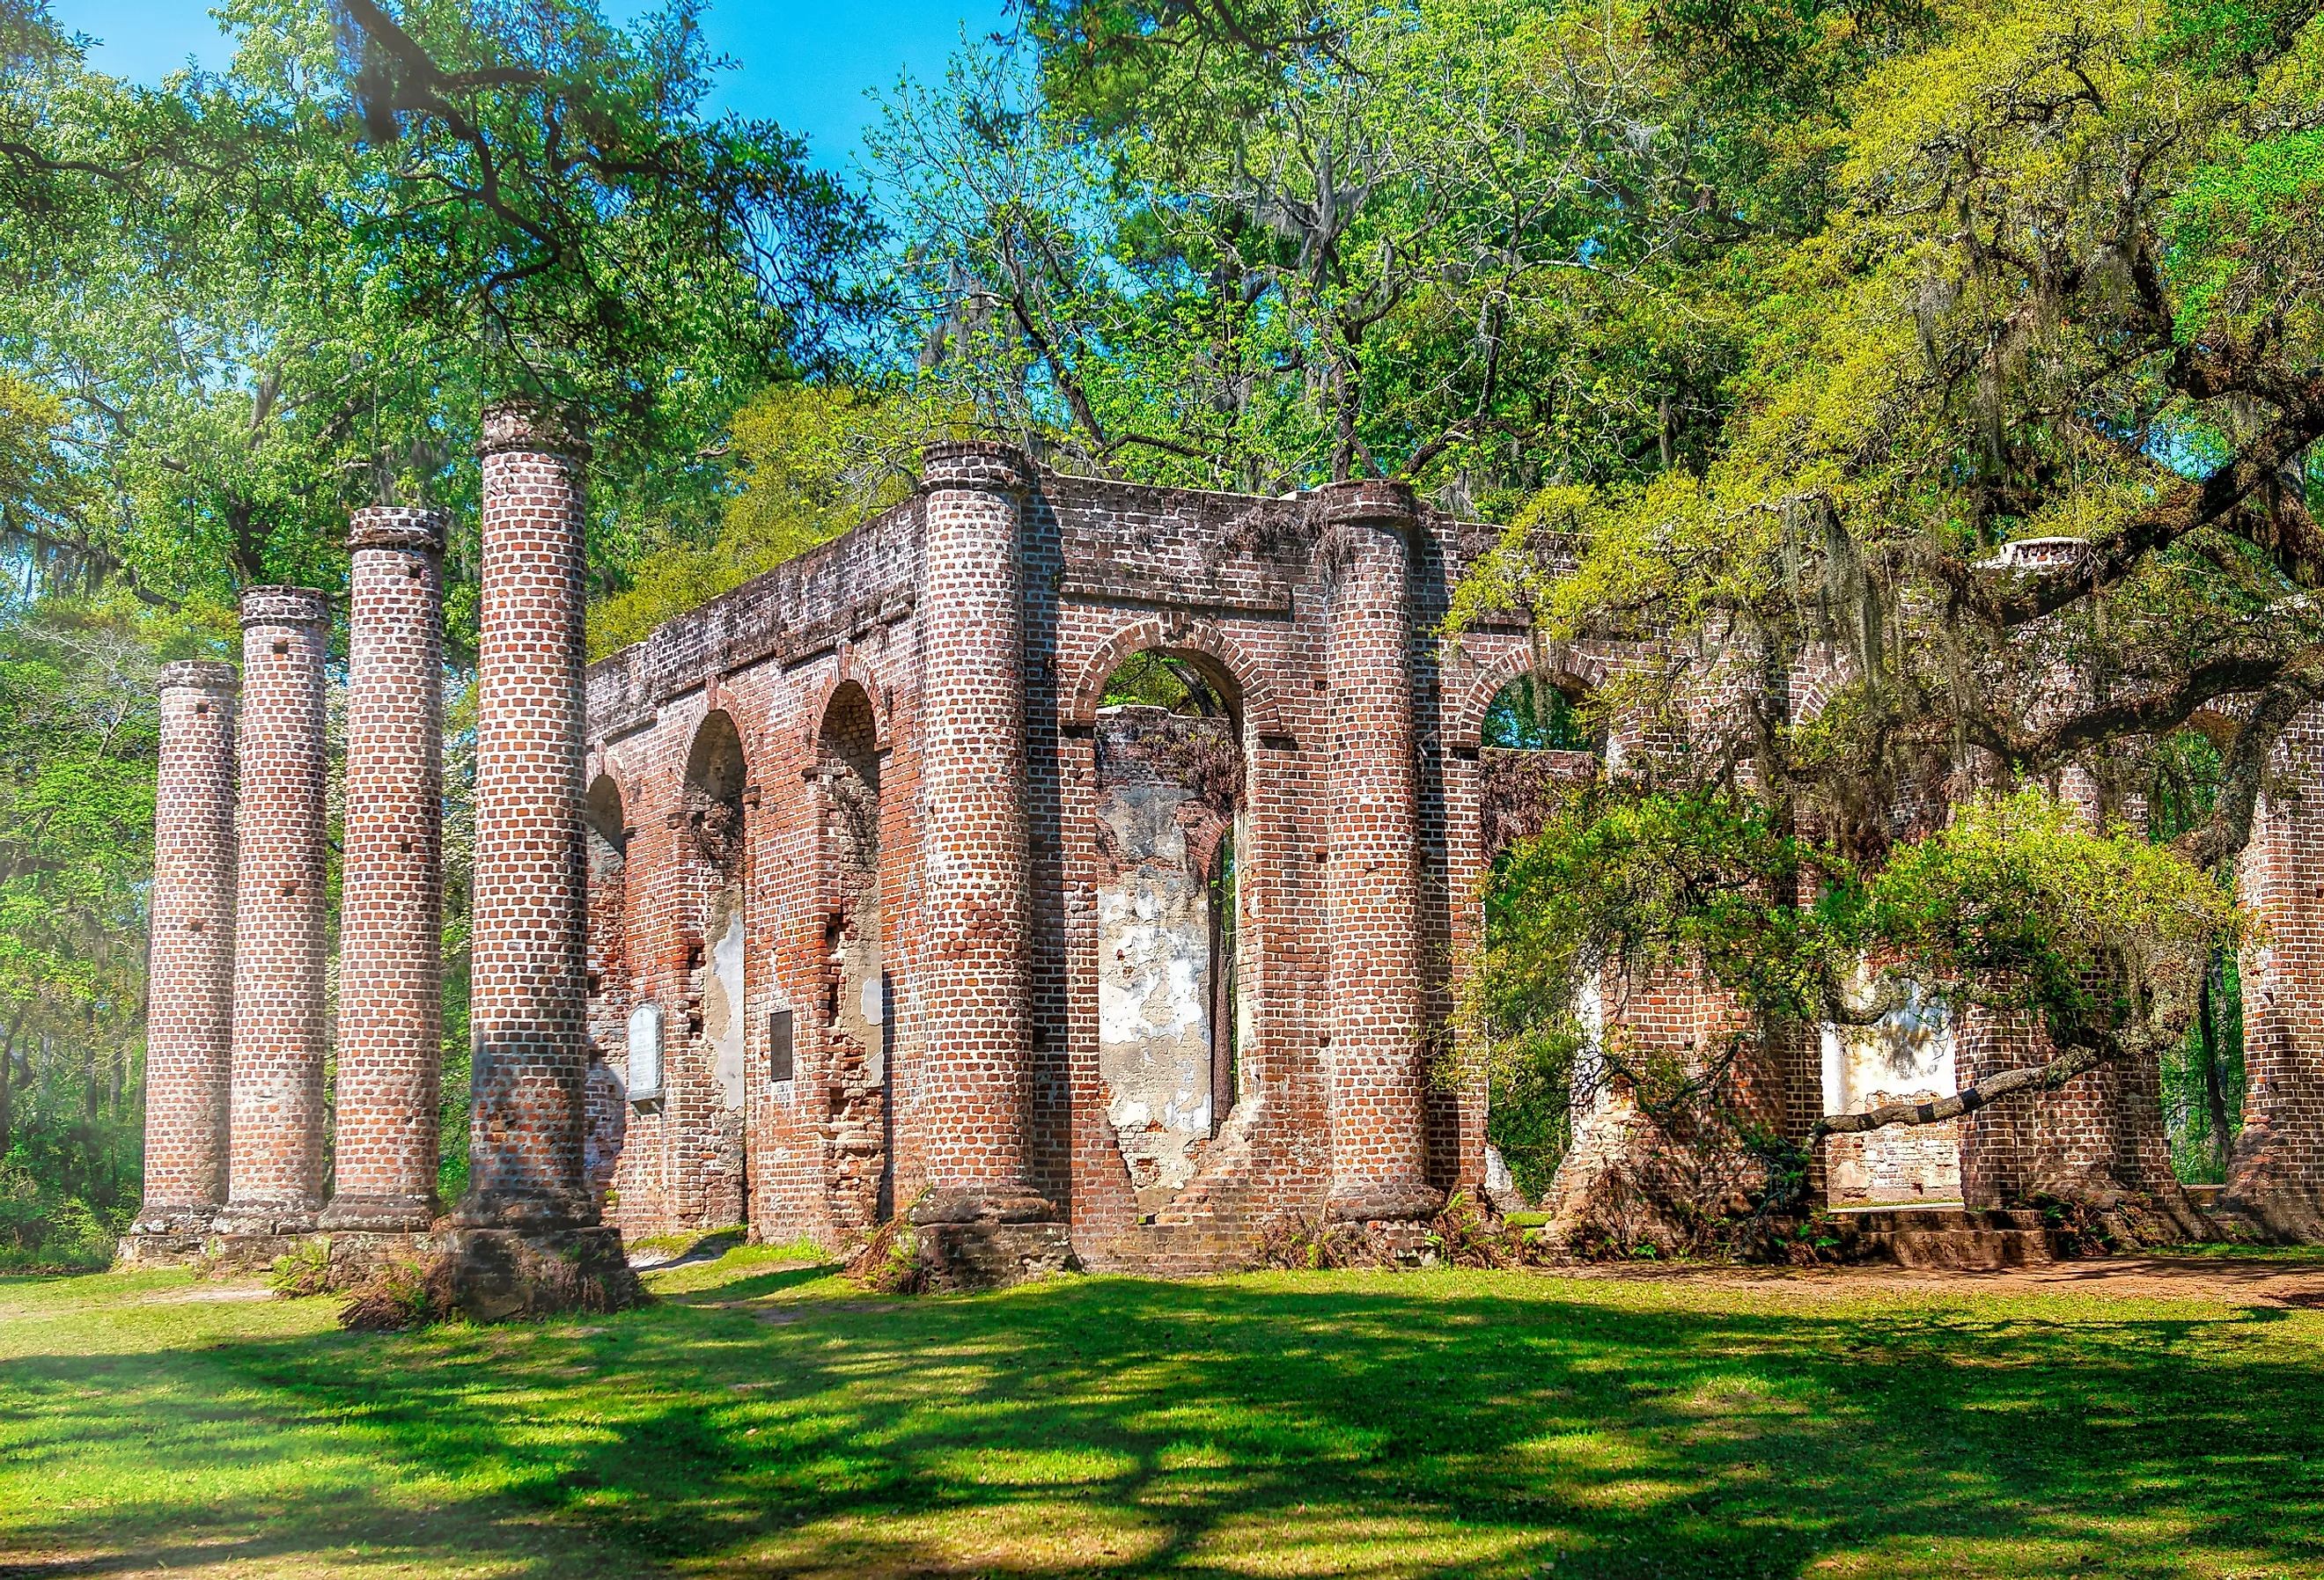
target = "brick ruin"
x: 237, y: 1165
x: 846, y: 896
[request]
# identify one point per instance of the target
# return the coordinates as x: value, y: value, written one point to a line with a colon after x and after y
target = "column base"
x: 142, y: 1248
x: 1396, y: 1202
x: 245, y: 1218
x: 529, y: 1210
x: 501, y: 1275
x: 175, y: 1218
x: 975, y: 1237
x: 378, y: 1214
x: 978, y: 1204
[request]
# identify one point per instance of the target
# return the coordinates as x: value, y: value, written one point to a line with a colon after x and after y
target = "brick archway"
x: 1464, y: 729
x: 1256, y: 698
x: 851, y: 667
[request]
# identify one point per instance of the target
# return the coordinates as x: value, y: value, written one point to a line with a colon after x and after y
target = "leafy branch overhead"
x: 2016, y: 487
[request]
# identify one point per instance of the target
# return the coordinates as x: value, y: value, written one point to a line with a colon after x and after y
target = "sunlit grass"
x: 766, y: 1417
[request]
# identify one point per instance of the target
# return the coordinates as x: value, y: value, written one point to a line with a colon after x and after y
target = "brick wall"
x: 968, y: 634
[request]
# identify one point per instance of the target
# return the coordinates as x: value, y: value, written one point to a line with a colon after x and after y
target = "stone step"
x: 1968, y: 1250
x: 1938, y: 1219
x: 1175, y: 1251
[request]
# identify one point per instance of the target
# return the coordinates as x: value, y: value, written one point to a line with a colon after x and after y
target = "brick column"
x: 189, y: 1014
x: 977, y: 897
x: 528, y: 998
x: 2276, y: 1174
x: 1372, y: 880
x: 391, y: 1021
x: 280, y: 942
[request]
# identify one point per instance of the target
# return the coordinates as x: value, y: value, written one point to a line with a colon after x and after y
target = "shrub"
x: 400, y: 1296
x: 45, y: 1228
x: 303, y: 1271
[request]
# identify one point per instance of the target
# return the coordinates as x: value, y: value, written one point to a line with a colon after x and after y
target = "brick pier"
x: 1371, y: 876
x: 528, y: 1004
x: 981, y: 1206
x: 276, y: 1177
x: 392, y: 892
x: 189, y: 1015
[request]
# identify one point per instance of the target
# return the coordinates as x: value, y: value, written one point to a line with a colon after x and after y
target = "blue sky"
x: 803, y: 63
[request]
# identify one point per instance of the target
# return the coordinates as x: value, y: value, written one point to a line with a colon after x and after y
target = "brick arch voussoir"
x: 852, y: 666
x: 1467, y: 728
x: 1260, y: 714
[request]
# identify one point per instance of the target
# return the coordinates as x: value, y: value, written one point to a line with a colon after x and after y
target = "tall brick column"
x: 391, y: 1021
x: 528, y: 1002
x: 1371, y: 879
x: 189, y: 1014
x: 279, y: 943
x: 977, y: 897
x: 2276, y: 1175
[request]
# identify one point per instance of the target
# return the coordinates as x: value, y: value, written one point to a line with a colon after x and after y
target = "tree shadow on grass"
x: 1371, y: 1426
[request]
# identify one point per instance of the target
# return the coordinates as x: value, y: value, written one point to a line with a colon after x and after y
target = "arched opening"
x: 1542, y: 734
x: 716, y: 773
x: 854, y: 1013
x: 606, y: 1115
x: 1537, y: 713
x: 2205, y: 1080
x: 1171, y: 816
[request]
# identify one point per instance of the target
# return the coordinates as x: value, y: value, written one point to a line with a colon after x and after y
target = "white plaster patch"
x: 1154, y: 992
x: 722, y: 1000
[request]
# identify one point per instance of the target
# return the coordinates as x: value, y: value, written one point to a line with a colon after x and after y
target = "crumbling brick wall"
x: 836, y: 1136
x: 1167, y: 785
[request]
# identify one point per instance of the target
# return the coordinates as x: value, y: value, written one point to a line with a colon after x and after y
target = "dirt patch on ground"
x: 2225, y: 1280
x: 205, y: 1292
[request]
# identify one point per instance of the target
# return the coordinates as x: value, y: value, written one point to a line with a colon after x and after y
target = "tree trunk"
x: 7, y: 1069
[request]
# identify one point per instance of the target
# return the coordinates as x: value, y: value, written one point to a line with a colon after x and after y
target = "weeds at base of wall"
x: 300, y: 1273
x: 889, y: 1262
x: 401, y: 1295
x: 1463, y: 1235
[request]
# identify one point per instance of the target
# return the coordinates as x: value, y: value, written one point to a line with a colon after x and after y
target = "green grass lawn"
x: 767, y: 1418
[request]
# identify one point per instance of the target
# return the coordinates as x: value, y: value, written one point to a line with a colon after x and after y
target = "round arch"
x: 1251, y: 695
x: 604, y: 810
x: 851, y: 669
x: 1466, y: 728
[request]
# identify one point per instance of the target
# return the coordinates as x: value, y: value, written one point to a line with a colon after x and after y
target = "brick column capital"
x: 519, y: 425
x: 285, y: 605
x: 398, y: 526
x: 1376, y: 502
x: 975, y: 465
x: 198, y: 675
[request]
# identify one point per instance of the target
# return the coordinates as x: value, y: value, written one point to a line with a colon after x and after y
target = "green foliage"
x: 1155, y: 679
x: 2014, y: 904
x: 809, y: 462
x: 2203, y: 1082
x: 1529, y: 715
x: 303, y: 1271
x: 1452, y: 238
